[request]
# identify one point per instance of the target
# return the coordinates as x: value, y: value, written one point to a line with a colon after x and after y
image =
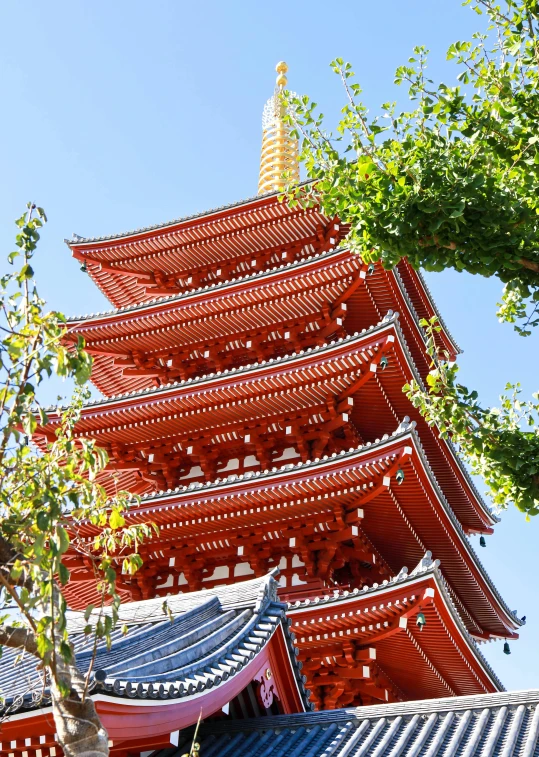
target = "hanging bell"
x: 370, y: 269
x: 83, y: 268
x: 384, y: 362
x: 482, y: 542
x: 399, y: 476
x: 506, y: 648
x: 421, y: 621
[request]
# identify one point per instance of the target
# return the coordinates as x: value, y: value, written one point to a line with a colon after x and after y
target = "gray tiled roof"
x: 213, y: 635
x: 489, y: 725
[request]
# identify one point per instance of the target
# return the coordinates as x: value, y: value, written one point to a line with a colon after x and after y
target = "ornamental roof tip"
x: 426, y: 563
x: 405, y: 425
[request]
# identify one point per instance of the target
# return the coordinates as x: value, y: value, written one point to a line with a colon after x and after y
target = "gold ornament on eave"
x: 280, y: 153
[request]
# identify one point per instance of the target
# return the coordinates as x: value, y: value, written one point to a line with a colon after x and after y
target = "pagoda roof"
x: 206, y: 248
x: 165, y: 225
x: 206, y: 293
x: 324, y: 372
x: 214, y: 315
x: 233, y: 309
x: 437, y: 659
x: 241, y: 285
x: 267, y: 369
x: 201, y: 653
x: 504, y: 724
x: 416, y: 512
x: 127, y: 293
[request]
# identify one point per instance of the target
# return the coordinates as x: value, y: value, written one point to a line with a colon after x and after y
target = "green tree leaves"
x: 500, y: 444
x: 454, y: 181
x: 46, y: 497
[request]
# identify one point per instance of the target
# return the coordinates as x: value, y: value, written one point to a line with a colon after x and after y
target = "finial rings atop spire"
x: 281, y: 69
x: 279, y: 147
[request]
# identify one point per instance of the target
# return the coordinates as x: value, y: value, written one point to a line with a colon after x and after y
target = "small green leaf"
x: 116, y: 520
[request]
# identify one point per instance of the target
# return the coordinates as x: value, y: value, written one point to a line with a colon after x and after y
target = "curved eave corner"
x: 211, y: 645
x: 426, y: 569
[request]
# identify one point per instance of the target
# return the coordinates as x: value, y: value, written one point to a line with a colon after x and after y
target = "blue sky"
x: 119, y: 115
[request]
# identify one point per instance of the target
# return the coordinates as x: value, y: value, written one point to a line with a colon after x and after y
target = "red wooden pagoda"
x: 251, y: 373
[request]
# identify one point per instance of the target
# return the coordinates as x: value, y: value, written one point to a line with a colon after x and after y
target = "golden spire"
x: 279, y: 147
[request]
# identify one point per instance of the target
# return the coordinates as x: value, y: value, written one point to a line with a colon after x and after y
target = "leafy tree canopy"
x: 452, y: 182
x: 501, y: 444
x: 43, y: 499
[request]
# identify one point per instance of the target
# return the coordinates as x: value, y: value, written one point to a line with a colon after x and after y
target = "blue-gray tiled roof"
x: 209, y: 637
x: 490, y: 725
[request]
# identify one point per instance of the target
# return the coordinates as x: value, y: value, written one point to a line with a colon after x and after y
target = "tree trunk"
x: 80, y: 733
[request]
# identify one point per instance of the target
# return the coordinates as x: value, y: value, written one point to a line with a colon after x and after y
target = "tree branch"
x: 434, y: 239
x: 18, y: 638
x: 8, y: 556
x: 532, y: 265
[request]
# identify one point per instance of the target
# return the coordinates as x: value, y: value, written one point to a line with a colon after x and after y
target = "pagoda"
x: 251, y: 373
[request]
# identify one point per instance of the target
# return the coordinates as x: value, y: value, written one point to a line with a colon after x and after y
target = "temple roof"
x: 486, y: 725
x: 289, y: 383
x: 225, y: 219
x: 416, y: 512
x: 439, y: 658
x: 231, y: 320
x: 206, y: 250
x: 257, y: 278
x: 205, y: 640
x: 219, y: 326
x: 77, y: 240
